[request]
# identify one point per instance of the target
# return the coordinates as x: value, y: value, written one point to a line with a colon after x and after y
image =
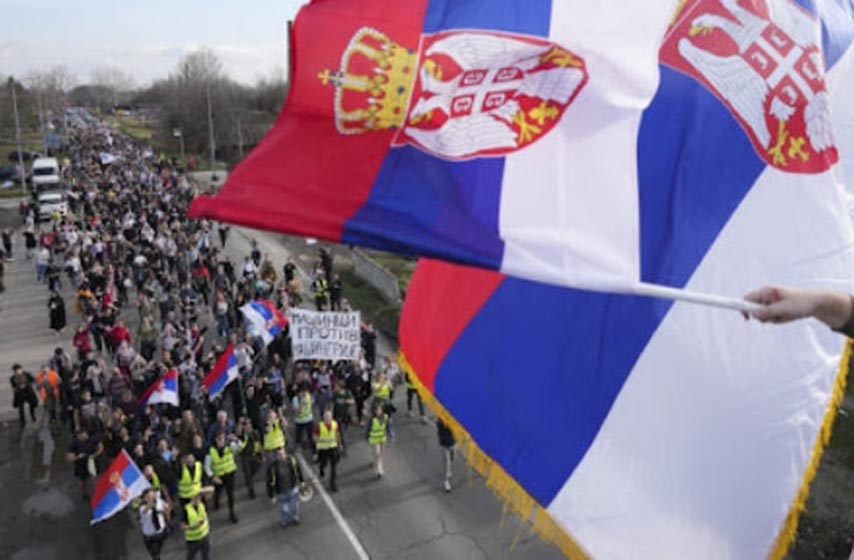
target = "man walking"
x: 152, y: 521
x: 220, y: 467
x: 196, y: 528
x: 327, y: 438
x: 284, y: 479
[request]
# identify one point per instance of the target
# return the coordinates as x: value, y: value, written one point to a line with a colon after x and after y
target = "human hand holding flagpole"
x: 781, y: 305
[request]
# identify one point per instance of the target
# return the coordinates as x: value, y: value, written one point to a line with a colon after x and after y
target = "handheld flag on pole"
x: 163, y: 390
x: 224, y: 372
x: 684, y: 432
x: 498, y: 134
x: 117, y: 487
x: 263, y: 319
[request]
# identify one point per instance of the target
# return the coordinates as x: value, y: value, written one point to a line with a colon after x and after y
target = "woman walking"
x: 56, y: 309
x: 377, y: 436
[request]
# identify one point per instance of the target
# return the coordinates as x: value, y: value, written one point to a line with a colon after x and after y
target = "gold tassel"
x: 790, y: 526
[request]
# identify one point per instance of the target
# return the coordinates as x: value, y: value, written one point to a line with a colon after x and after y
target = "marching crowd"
x: 154, y: 291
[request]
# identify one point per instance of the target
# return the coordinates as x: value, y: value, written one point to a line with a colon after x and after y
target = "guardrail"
x: 376, y: 275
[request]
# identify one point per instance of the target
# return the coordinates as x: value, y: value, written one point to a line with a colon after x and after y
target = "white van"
x: 49, y: 203
x: 46, y: 174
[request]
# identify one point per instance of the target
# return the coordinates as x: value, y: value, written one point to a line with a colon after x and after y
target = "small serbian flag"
x: 263, y: 319
x: 164, y: 390
x: 115, y: 489
x: 224, y: 372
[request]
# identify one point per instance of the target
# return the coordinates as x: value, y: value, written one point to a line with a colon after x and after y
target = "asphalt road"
x: 406, y: 515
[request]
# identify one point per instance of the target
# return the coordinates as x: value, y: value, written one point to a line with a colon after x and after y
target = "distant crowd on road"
x: 146, y: 290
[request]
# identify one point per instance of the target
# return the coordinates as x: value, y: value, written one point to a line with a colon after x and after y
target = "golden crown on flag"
x: 373, y: 83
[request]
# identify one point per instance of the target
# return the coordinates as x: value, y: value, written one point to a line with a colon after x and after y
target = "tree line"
x: 176, y: 104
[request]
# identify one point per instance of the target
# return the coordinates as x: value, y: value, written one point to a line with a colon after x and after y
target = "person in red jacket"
x: 118, y: 334
x: 82, y: 342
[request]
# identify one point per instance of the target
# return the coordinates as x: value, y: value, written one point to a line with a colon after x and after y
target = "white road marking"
x: 336, y: 513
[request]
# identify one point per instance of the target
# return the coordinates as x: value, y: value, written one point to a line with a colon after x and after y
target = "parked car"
x: 9, y: 173
x: 26, y: 155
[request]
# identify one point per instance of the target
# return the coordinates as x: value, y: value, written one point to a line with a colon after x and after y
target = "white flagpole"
x: 676, y: 294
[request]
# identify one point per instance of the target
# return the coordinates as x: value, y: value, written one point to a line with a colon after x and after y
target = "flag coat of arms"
x: 163, y: 390
x: 263, y: 319
x: 224, y: 372
x: 117, y: 487
x: 638, y: 428
x: 497, y: 134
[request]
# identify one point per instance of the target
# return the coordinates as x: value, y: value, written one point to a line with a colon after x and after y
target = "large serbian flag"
x: 637, y: 428
x: 497, y: 133
x: 117, y: 487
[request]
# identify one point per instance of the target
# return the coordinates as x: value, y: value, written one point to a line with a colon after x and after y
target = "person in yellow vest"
x: 327, y: 439
x: 320, y: 288
x: 303, y: 404
x: 220, y: 468
x: 274, y: 436
x: 377, y: 436
x: 196, y: 527
x: 383, y: 390
x: 190, y: 475
x: 411, y: 392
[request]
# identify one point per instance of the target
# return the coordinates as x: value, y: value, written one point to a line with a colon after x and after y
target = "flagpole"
x: 676, y: 294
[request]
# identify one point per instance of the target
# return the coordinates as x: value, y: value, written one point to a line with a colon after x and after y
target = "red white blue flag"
x: 224, y: 372
x: 117, y: 487
x: 640, y: 428
x: 493, y: 133
x: 263, y: 319
x: 163, y: 390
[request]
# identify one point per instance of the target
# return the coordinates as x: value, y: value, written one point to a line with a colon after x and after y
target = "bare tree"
x: 113, y: 79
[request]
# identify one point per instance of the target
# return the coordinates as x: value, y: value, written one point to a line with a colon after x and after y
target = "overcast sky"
x: 145, y: 37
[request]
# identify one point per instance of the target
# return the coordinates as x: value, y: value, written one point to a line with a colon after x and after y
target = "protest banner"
x: 325, y: 335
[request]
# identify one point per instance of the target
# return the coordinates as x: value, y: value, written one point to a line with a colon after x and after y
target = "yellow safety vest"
x: 222, y: 464
x: 256, y: 446
x: 189, y: 487
x: 274, y: 438
x: 194, y: 515
x: 383, y: 392
x: 378, y: 430
x: 327, y: 437
x: 304, y: 413
x: 409, y: 383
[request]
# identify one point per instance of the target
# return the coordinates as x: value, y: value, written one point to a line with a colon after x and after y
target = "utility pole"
x: 179, y: 134
x: 211, y: 133
x: 41, y: 119
x: 239, y: 138
x: 18, y: 135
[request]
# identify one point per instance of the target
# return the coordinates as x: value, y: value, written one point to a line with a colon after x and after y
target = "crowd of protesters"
x: 154, y: 291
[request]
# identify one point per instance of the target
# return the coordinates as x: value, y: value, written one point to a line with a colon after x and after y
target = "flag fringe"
x: 790, y: 525
x: 515, y: 498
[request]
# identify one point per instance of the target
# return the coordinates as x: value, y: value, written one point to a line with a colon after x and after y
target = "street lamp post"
x: 18, y: 135
x: 179, y: 134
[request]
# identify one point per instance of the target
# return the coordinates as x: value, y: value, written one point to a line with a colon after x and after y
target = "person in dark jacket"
x: 56, y: 308
x: 284, y: 480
